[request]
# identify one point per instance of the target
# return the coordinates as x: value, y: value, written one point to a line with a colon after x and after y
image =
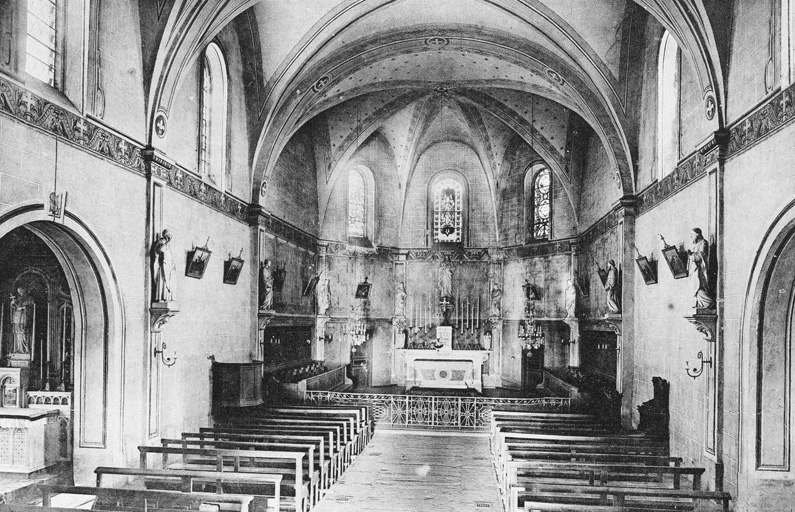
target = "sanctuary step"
x: 22, y: 488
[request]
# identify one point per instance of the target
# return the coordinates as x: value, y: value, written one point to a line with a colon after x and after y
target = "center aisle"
x: 410, y: 471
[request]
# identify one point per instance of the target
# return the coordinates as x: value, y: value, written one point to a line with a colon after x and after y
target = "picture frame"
x: 232, y: 268
x: 676, y: 264
x: 198, y: 259
x: 309, y: 289
x: 363, y: 290
x: 648, y: 269
x: 602, y: 274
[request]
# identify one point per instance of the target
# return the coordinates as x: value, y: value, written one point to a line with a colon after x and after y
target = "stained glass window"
x: 357, y: 205
x: 447, y: 218
x: 541, y: 204
x: 41, y: 47
x: 212, y: 126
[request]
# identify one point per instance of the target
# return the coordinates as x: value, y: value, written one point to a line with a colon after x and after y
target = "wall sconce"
x: 696, y: 371
x: 326, y: 338
x: 168, y: 361
x: 564, y: 341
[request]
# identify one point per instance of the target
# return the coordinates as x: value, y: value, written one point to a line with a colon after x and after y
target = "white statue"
x: 445, y: 280
x: 612, y: 287
x: 698, y: 270
x: 323, y: 296
x: 400, y: 299
x: 571, y: 299
x: 496, y: 300
x: 21, y: 318
x: 163, y: 268
x: 265, y: 285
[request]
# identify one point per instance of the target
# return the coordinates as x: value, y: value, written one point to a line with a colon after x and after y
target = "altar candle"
x: 477, y: 325
x: 467, y: 314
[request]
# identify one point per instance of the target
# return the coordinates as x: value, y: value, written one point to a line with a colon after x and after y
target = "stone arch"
x: 99, y: 328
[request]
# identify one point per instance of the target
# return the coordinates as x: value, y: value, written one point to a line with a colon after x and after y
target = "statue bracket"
x: 399, y: 322
x: 160, y: 313
x: 705, y: 321
x: 264, y: 317
x: 613, y: 322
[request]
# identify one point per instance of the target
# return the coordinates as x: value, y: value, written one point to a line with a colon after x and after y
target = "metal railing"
x: 325, y: 381
x: 422, y: 411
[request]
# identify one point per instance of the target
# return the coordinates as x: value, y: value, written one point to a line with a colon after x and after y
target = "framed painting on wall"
x: 198, y: 258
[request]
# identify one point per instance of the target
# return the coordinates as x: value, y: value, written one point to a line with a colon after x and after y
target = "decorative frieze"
x: 687, y: 172
x: 34, y: 110
x: 599, y: 229
x: 776, y: 113
x: 539, y: 249
x: 457, y: 254
x: 283, y: 229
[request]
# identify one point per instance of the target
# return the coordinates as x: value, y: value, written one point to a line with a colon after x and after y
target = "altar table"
x: 446, y: 369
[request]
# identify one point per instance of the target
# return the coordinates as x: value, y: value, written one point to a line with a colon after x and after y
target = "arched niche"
x: 99, y: 334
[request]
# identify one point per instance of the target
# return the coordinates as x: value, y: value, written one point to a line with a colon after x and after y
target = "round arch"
x: 766, y: 344
x: 99, y: 329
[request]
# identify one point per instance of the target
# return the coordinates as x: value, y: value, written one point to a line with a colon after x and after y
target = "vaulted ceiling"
x: 403, y: 66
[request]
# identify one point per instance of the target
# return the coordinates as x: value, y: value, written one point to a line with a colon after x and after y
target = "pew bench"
x: 324, y: 457
x: 186, y: 481
x: 335, y: 442
x: 614, y: 495
x: 289, y: 464
x: 139, y: 499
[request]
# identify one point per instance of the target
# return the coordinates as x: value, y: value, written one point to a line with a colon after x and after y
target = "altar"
x: 444, y: 368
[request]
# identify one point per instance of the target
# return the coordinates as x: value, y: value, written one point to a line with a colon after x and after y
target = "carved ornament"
x: 705, y: 321
x: 160, y: 313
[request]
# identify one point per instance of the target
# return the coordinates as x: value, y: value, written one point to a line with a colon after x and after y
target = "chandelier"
x: 530, y: 331
x: 355, y: 330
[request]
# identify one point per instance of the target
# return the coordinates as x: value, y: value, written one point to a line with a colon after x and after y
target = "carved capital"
x: 160, y: 313
x: 705, y: 321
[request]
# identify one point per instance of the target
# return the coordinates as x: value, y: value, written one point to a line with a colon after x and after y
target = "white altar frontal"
x: 444, y: 368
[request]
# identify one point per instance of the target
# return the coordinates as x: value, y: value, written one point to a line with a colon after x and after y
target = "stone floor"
x: 408, y: 471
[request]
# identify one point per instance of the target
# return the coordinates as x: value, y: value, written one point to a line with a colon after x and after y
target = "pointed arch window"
x: 212, y: 127
x: 448, y: 200
x: 357, y: 204
x: 540, y: 202
x: 667, y: 106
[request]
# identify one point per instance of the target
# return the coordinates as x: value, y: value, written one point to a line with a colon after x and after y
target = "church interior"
x: 397, y: 255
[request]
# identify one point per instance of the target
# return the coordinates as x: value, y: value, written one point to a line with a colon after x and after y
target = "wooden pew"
x: 140, y: 499
x: 185, y: 479
x: 519, y: 453
x: 262, y: 422
x: 324, y: 457
x: 241, y: 461
x: 335, y: 442
x: 353, y: 417
x: 362, y: 412
x: 315, y: 474
x: 608, y: 495
x: 527, y: 471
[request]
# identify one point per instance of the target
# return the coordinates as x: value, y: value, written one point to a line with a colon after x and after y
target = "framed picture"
x: 309, y: 289
x: 232, y: 268
x: 648, y: 269
x: 363, y: 290
x: 602, y: 274
x: 198, y: 258
x: 676, y: 264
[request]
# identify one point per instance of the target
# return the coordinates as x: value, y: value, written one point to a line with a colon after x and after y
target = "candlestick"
x: 469, y: 319
x: 477, y: 324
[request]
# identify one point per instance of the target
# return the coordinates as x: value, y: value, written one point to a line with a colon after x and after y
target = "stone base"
x: 18, y: 360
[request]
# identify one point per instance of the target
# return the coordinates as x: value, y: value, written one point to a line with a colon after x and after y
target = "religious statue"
x: 163, y: 269
x: 571, y: 299
x: 496, y: 300
x: 265, y: 285
x: 445, y: 280
x: 22, y: 308
x: 698, y: 270
x: 323, y: 296
x: 400, y: 299
x: 612, y: 287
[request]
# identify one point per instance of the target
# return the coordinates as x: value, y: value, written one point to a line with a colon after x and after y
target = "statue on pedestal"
x: 571, y: 299
x: 400, y: 299
x: 163, y: 269
x: 496, y: 300
x: 22, y: 310
x: 698, y: 270
x: 445, y: 280
x: 323, y: 296
x: 265, y: 285
x: 612, y: 287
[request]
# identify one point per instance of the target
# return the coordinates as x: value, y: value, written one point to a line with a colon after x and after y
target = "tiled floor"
x: 407, y: 471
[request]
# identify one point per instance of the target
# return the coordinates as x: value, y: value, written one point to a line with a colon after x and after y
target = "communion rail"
x: 423, y: 411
